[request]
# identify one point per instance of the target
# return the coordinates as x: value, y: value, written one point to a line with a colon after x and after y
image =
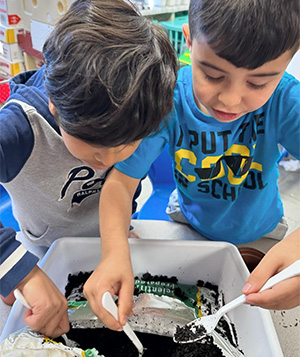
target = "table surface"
x: 286, y: 322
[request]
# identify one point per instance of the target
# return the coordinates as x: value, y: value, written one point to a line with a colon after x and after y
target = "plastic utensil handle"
x: 287, y: 273
x: 231, y: 305
x: 130, y: 333
x: 109, y: 304
x: 19, y: 296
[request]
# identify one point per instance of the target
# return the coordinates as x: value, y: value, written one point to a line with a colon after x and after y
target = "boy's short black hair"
x: 247, y: 33
x: 110, y: 73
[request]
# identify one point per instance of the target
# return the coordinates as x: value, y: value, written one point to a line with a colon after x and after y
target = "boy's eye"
x: 213, y: 79
x: 256, y: 86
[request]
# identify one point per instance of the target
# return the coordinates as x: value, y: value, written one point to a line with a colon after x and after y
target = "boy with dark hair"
x: 232, y: 107
x: 108, y: 82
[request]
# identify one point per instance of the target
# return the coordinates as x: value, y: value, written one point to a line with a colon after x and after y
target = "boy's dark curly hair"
x: 110, y: 73
x: 247, y: 33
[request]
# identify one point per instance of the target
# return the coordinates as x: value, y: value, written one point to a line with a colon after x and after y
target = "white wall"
x: 294, y: 66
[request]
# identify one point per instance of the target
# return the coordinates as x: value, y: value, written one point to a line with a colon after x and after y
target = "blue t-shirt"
x: 226, y: 173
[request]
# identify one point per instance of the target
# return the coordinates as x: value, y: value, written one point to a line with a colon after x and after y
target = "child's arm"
x: 18, y: 270
x: 114, y: 273
x: 285, y: 295
x: 49, y: 314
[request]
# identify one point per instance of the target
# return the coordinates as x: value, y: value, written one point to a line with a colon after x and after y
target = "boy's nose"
x: 230, y: 97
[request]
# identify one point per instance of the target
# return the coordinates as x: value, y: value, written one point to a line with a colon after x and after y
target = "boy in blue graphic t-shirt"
x: 232, y: 108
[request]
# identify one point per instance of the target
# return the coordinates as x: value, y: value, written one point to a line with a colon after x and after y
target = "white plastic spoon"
x: 200, y: 327
x: 19, y: 296
x: 109, y: 304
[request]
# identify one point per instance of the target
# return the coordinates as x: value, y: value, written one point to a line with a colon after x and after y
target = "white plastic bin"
x: 216, y: 262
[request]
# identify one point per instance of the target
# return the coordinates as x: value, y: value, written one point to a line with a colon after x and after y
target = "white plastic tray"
x: 216, y: 262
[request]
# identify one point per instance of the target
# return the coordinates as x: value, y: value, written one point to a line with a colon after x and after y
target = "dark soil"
x: 164, y: 278
x: 111, y: 343
x: 185, y: 333
x: 76, y: 281
x: 115, y: 344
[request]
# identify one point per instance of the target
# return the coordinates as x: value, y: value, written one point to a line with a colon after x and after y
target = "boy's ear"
x: 186, y: 33
x: 51, y: 108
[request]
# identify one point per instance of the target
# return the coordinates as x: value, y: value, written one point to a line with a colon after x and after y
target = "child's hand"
x: 113, y: 274
x: 49, y: 313
x: 284, y: 295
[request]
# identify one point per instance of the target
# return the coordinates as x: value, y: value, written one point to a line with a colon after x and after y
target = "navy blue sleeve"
x: 15, y: 261
x: 16, y: 141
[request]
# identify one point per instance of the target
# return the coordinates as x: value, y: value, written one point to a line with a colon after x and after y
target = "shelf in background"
x: 164, y: 10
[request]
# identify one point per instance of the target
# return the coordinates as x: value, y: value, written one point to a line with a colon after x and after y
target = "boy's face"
x: 225, y: 91
x: 97, y: 157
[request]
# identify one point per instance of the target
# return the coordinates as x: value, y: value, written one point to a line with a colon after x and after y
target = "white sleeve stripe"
x: 12, y: 260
